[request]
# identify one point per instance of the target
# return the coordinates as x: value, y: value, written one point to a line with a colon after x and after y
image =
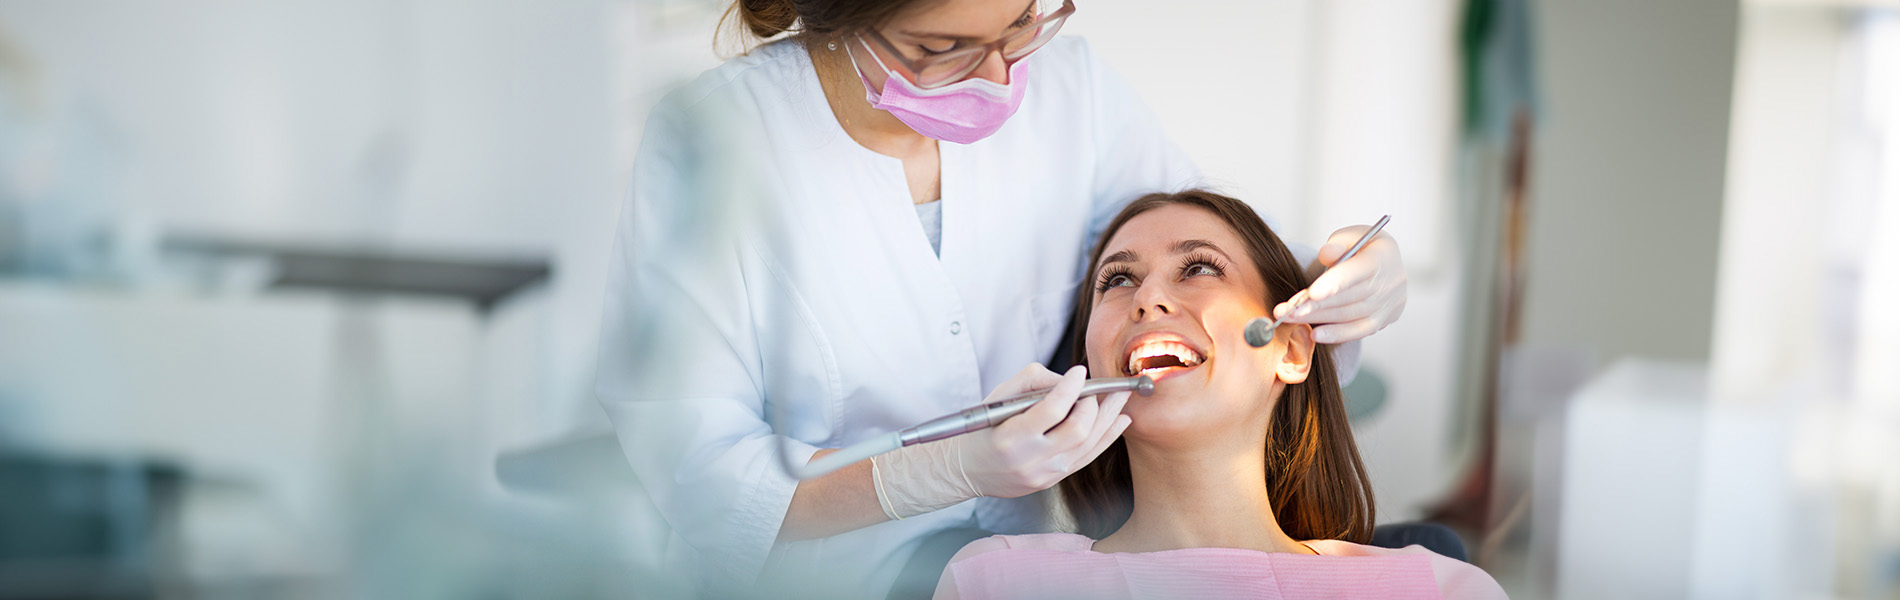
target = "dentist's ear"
x: 1296, y: 355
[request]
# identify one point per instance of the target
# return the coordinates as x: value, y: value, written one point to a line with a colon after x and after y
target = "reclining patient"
x: 1238, y: 478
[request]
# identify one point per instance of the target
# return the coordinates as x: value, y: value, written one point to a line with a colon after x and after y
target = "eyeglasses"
x: 938, y: 70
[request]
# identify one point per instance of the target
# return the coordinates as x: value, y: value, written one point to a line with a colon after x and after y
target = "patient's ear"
x: 1296, y: 356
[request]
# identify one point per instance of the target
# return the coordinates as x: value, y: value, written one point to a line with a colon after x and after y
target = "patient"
x: 1238, y: 478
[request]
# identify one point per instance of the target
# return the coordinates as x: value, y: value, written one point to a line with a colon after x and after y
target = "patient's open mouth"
x: 1157, y: 357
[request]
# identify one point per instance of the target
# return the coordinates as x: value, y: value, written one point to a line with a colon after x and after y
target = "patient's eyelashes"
x: 1195, y: 264
x: 1201, y: 263
x: 1114, y: 276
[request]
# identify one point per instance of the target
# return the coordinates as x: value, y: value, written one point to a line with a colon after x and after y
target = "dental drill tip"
x: 1259, y: 332
x: 1145, y: 386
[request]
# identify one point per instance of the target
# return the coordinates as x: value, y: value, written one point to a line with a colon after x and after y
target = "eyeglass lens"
x: 1017, y: 45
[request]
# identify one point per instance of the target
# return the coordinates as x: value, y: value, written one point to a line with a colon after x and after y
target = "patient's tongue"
x: 1156, y: 362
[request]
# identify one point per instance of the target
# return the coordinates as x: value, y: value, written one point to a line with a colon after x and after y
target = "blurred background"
x: 299, y: 298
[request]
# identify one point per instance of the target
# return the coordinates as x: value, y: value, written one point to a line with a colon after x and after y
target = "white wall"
x: 1803, y: 333
x: 468, y: 126
x: 1770, y: 320
x: 1627, y: 176
x: 1233, y: 91
x: 482, y: 126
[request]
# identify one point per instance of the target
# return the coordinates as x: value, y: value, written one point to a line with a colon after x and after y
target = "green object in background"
x: 1497, y: 52
x: 1364, y: 396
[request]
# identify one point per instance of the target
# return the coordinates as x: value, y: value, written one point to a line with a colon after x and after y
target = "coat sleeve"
x: 680, y: 371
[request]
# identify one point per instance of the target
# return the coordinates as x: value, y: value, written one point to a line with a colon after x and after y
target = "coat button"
x: 956, y: 327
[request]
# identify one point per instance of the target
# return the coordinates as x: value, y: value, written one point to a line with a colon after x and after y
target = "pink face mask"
x: 962, y: 112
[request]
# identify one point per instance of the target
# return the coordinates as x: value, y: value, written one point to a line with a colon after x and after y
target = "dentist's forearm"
x: 837, y: 502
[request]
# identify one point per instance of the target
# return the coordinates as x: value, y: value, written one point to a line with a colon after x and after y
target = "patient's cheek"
x: 1098, y: 366
x: 1101, y: 358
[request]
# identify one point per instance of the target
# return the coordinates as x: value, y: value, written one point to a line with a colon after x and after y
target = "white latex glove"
x: 1353, y: 299
x: 1023, y: 455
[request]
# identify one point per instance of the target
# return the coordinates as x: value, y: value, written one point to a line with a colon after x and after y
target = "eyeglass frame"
x: 997, y: 46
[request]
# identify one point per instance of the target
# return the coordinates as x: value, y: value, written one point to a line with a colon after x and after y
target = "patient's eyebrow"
x: 1125, y: 255
x: 1186, y: 246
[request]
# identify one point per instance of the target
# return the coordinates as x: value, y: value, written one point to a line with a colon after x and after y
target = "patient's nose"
x: 1152, y: 301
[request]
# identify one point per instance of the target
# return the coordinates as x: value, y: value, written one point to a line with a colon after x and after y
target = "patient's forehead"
x: 1157, y: 229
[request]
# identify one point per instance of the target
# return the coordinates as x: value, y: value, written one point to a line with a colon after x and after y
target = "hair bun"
x: 767, y: 18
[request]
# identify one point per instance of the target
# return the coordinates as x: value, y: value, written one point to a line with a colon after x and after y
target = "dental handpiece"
x: 1260, y: 331
x: 976, y: 418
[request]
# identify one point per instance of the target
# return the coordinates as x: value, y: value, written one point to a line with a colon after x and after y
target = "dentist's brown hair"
x: 819, y: 19
x: 1315, y: 480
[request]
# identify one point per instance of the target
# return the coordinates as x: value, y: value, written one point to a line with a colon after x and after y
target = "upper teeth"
x: 1181, y: 352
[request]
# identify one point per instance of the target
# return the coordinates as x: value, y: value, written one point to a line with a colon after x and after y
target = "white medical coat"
x: 772, y: 293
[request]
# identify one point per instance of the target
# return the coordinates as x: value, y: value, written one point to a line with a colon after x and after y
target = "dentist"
x: 876, y: 220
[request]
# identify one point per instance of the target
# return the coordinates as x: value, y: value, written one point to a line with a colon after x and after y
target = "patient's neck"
x: 1210, y: 495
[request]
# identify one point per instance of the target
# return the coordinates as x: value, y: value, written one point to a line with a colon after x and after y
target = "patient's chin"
x: 1186, y: 409
x: 1172, y: 412
x: 1169, y: 428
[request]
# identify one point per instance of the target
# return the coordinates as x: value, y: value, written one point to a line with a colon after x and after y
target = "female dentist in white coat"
x: 869, y: 223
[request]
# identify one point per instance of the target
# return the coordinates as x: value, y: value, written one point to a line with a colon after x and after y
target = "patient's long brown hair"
x: 1314, y: 477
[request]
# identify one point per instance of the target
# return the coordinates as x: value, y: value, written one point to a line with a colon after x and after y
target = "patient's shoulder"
x: 1036, y: 541
x: 1457, y: 579
x: 980, y: 569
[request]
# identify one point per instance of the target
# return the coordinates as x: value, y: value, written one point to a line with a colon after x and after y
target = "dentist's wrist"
x: 924, y: 478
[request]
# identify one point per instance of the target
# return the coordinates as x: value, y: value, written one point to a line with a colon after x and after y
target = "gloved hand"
x: 1353, y: 299
x: 1025, y: 454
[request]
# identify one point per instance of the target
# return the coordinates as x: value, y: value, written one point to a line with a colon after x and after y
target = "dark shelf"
x: 484, y: 282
